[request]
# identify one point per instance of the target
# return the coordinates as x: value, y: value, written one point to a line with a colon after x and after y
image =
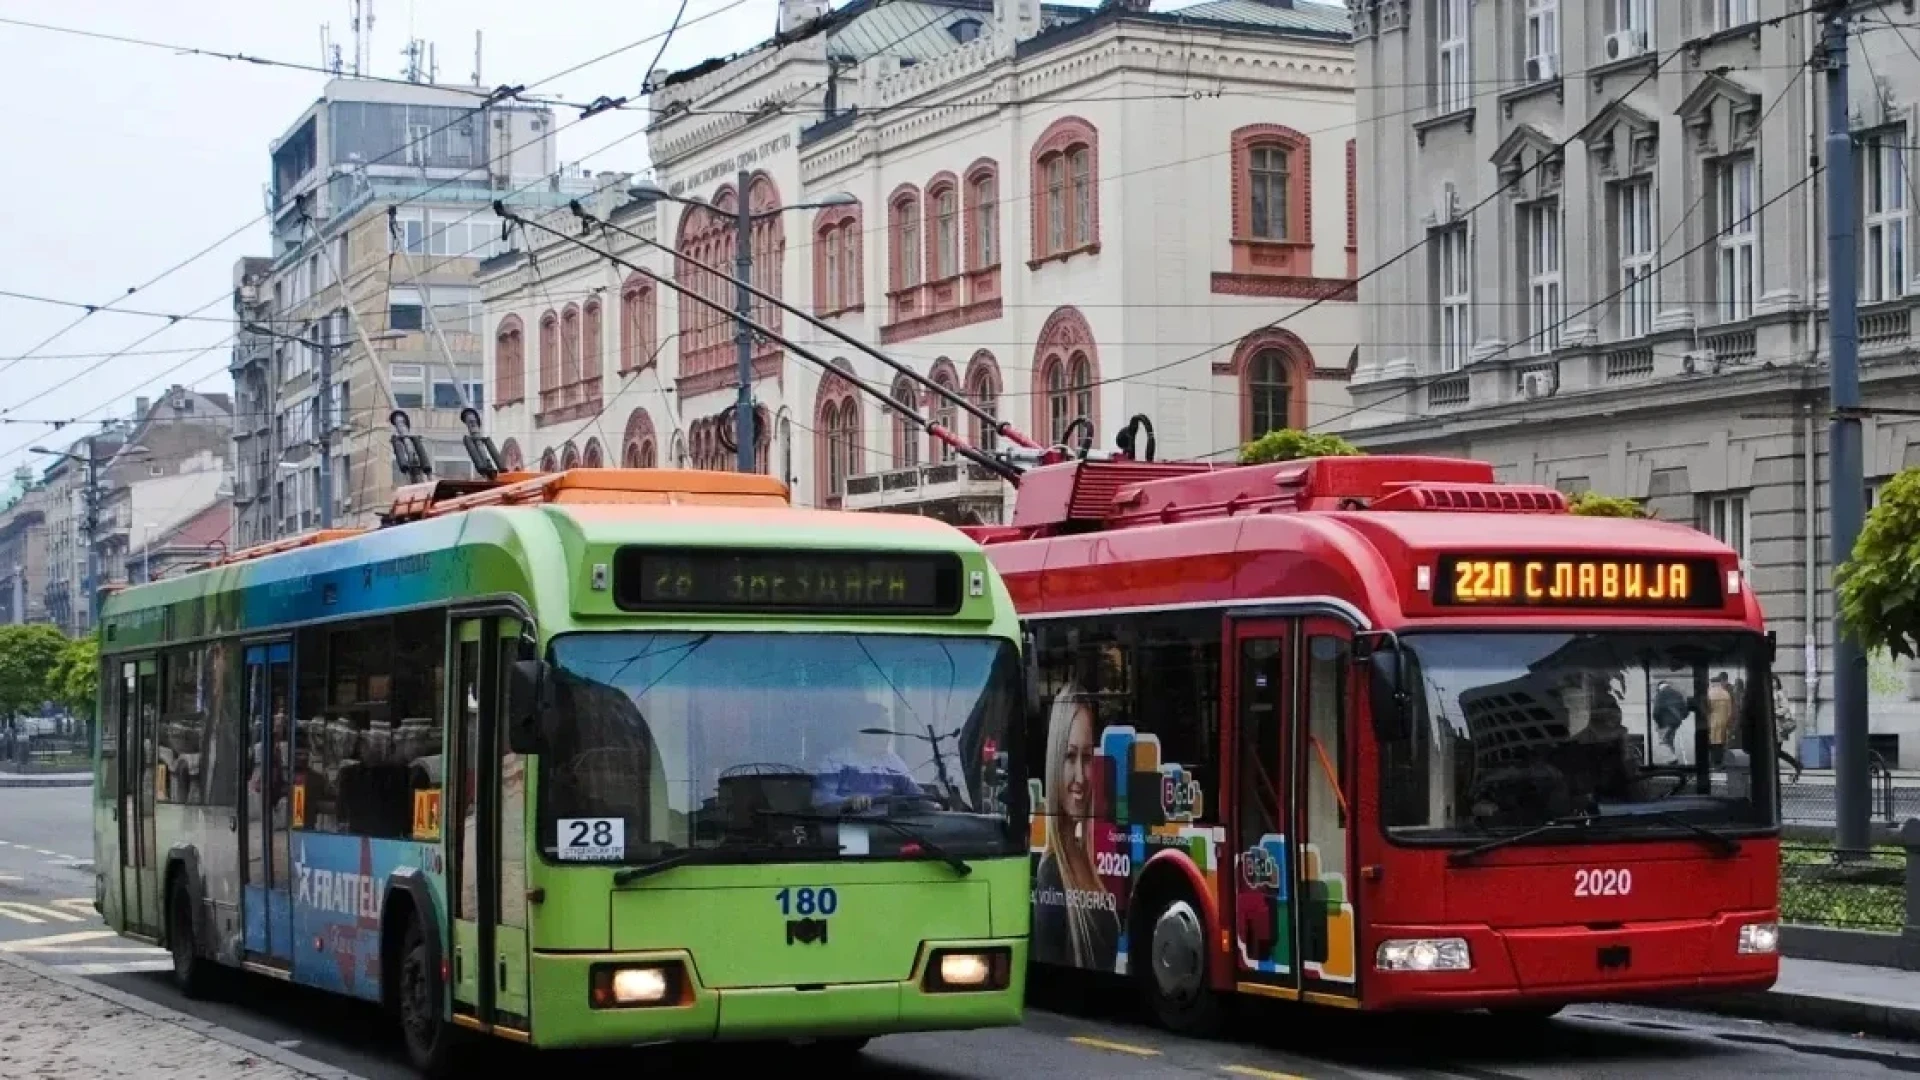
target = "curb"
x: 305, y: 1066
x: 1844, y: 1015
x: 47, y: 780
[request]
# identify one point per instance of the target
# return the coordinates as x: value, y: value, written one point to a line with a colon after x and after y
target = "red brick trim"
x: 1258, y: 255
x: 1061, y: 137
x: 1353, y: 209
x: 934, y: 322
x: 1286, y: 287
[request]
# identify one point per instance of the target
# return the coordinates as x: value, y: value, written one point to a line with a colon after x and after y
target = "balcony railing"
x: 960, y: 484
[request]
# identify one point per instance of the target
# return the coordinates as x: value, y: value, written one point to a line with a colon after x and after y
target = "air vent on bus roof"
x: 1483, y: 498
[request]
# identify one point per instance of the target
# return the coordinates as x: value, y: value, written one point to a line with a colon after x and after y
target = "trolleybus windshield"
x: 753, y: 746
x: 1511, y: 731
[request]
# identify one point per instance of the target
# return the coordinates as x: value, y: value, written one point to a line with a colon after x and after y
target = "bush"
x: 1594, y: 504
x: 1879, y: 584
x: 1289, y: 444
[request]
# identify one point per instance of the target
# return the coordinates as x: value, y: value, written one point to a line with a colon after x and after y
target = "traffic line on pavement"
x: 1259, y: 1074
x: 133, y: 967
x: 54, y: 940
x: 81, y: 904
x: 1116, y: 1047
x: 34, y: 913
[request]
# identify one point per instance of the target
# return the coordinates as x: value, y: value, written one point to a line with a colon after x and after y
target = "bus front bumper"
x: 573, y: 1005
x: 1513, y: 967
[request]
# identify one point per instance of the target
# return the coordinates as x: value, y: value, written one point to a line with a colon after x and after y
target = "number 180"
x: 807, y: 901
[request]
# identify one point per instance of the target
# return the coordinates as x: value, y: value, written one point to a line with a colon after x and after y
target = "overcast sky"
x: 125, y: 160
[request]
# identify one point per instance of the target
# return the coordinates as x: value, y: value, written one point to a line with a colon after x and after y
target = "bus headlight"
x: 963, y: 970
x: 1423, y: 954
x: 636, y: 986
x: 1759, y: 939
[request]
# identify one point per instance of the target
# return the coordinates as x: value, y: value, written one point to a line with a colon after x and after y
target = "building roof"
x: 206, y: 529
x: 1271, y: 14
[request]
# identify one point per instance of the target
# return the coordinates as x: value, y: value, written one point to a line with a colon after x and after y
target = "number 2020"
x: 1602, y: 882
x: 808, y: 901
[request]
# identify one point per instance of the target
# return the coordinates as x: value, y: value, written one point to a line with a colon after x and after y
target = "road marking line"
x: 81, y: 904
x: 128, y: 949
x: 1259, y: 1074
x: 56, y: 939
x: 34, y: 913
x: 9, y: 877
x: 1116, y: 1047
x: 44, y: 851
x: 133, y: 968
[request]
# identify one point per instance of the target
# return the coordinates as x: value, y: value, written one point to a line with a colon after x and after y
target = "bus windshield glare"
x: 1512, y: 731
x: 751, y: 746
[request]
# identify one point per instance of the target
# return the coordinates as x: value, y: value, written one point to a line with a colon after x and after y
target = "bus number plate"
x: 808, y: 902
x: 1602, y: 882
x: 593, y: 839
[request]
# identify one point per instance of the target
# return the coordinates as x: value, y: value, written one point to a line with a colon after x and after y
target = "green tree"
x: 76, y: 676
x: 1594, y: 504
x: 1291, y: 444
x: 28, y: 656
x: 1879, y: 584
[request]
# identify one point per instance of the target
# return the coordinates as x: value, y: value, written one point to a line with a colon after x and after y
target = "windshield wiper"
x: 681, y: 856
x: 678, y: 857
x: 1462, y: 858
x: 899, y: 828
x: 1726, y: 844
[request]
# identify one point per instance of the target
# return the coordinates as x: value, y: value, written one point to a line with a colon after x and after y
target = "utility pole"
x: 743, y: 420
x: 323, y: 428
x: 94, y: 592
x: 1852, y: 792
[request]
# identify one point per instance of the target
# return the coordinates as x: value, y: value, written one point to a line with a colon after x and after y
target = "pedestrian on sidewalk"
x: 1784, y: 725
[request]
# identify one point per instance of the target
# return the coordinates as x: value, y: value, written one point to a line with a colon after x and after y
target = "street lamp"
x: 324, y: 429
x: 743, y: 219
x: 92, y: 494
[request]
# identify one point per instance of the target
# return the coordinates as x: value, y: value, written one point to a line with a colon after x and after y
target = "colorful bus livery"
x: 586, y: 759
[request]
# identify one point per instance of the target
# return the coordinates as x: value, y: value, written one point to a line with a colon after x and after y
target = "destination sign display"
x: 1576, y: 581
x: 798, y: 582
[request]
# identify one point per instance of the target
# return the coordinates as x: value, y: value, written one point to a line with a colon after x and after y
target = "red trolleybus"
x: 1382, y: 733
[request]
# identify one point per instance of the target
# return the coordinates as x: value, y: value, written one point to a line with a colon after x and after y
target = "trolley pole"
x: 1852, y: 784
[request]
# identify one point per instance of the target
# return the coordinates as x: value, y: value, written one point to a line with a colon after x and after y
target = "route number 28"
x: 1602, y: 882
x: 822, y: 901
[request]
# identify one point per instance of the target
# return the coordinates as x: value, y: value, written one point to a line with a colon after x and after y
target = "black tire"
x: 1171, y: 968
x: 193, y: 974
x: 432, y: 1042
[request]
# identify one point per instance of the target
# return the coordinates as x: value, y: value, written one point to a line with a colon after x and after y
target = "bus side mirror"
x: 1387, y: 694
x: 526, y: 705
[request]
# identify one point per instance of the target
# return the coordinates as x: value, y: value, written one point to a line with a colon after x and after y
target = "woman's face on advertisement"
x: 1076, y: 771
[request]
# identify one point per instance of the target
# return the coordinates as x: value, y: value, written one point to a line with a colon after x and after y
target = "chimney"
x: 795, y: 14
x: 140, y: 405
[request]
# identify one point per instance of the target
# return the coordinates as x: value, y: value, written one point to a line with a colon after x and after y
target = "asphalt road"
x: 1072, y: 1031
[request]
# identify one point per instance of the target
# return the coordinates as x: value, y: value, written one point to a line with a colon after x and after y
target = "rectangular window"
x: 909, y: 224
x: 986, y: 219
x: 1728, y: 14
x: 1883, y: 206
x: 1081, y: 162
x: 946, y: 249
x: 1544, y: 286
x: 1056, y: 168
x: 1737, y: 188
x: 183, y: 746
x: 1631, y: 17
x: 1267, y: 169
x: 1725, y: 518
x: 1454, y: 84
x: 1637, y: 248
x: 1453, y: 289
x: 1543, y: 40
x: 446, y: 395
x: 409, y: 386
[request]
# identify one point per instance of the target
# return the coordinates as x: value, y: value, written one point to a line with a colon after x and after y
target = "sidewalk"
x: 60, y: 1027
x: 1847, y: 998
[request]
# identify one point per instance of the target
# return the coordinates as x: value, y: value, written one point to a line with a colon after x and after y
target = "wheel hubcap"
x: 1178, y: 952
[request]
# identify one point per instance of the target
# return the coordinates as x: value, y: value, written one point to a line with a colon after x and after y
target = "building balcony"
x: 956, y: 492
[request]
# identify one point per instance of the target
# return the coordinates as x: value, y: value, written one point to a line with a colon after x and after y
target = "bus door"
x: 485, y: 829
x: 138, y: 724
x: 266, y: 894
x: 1293, y: 911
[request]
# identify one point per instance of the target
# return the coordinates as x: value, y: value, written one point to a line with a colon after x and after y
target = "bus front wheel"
x: 1173, y: 971
x: 192, y: 973
x: 430, y: 1039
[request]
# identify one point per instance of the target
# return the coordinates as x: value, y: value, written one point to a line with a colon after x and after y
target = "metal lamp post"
x: 743, y: 218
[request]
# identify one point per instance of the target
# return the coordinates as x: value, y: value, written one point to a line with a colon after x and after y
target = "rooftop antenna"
x: 476, y: 58
x: 329, y: 50
x: 414, y: 52
x: 362, y: 23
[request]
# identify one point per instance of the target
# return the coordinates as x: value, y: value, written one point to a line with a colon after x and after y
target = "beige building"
x: 1641, y: 313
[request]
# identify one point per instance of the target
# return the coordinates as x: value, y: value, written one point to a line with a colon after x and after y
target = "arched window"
x: 509, y: 362
x: 570, y: 457
x: 638, y: 443
x: 549, y: 462
x: 769, y: 234
x: 595, y: 457
x: 569, y: 355
x: 1066, y: 177
x: 945, y: 412
x: 837, y: 440
x: 983, y: 216
x: 592, y: 355
x: 512, y: 457
x: 549, y: 361
x: 1269, y: 397
x: 904, y: 228
x: 906, y: 434
x: 983, y: 390
x: 1272, y: 201
x: 1066, y: 376
x: 706, y: 236
x: 837, y: 256
x: 1267, y: 186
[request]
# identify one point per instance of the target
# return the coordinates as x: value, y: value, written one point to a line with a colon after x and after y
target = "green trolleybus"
x: 594, y: 758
